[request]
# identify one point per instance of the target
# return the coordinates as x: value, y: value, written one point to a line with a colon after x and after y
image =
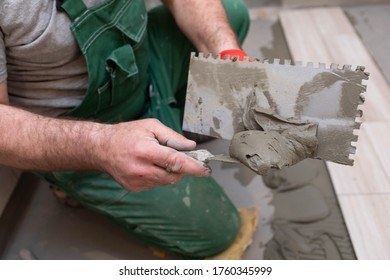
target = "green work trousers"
x: 193, y: 218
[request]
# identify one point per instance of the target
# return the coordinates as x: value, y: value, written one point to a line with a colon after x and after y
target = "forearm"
x: 205, y: 23
x: 33, y: 142
x: 139, y: 154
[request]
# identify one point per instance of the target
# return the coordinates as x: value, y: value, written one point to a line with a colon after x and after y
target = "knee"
x: 237, y: 7
x: 224, y: 234
x: 238, y: 15
x: 214, y: 236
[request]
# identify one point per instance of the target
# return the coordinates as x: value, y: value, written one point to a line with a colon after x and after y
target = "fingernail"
x: 176, y: 168
x: 191, y: 144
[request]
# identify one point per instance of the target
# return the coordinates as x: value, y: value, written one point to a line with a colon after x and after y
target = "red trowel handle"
x: 240, y: 54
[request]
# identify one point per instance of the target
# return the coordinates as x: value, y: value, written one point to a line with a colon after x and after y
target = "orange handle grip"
x: 230, y: 54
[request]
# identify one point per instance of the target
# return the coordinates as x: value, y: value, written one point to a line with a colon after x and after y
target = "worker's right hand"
x: 143, y: 154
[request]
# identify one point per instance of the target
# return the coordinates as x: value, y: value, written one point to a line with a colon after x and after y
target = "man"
x: 94, y: 86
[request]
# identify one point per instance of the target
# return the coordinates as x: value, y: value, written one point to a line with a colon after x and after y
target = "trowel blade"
x: 218, y: 89
x: 205, y: 156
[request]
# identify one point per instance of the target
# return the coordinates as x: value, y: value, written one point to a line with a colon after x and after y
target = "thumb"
x: 170, y: 138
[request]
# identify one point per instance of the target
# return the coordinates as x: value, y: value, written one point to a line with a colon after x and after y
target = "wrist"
x: 98, y: 143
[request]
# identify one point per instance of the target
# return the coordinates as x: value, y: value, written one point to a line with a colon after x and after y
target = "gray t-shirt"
x: 39, y: 57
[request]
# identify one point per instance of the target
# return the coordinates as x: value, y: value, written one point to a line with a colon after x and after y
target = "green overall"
x: 137, y: 66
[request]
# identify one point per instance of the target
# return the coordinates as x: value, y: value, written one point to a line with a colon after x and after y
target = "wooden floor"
x: 326, y: 35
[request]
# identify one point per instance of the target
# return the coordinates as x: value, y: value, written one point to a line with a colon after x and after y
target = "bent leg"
x: 194, y: 218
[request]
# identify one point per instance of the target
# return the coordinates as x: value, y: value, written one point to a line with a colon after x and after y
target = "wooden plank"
x: 371, y: 171
x: 379, y: 135
x: 325, y: 35
x: 302, y: 37
x: 367, y: 220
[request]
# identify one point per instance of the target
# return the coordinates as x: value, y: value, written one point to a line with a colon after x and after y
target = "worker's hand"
x: 143, y: 154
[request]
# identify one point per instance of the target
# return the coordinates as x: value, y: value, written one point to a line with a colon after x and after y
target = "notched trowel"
x: 218, y: 90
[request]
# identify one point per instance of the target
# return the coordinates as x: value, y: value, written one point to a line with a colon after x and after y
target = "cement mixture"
x: 272, y: 141
x: 307, y: 222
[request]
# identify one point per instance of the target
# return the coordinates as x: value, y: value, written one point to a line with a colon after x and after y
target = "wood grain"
x: 370, y: 173
x: 367, y: 220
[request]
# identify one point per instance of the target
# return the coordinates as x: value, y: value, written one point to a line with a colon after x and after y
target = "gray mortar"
x: 272, y: 141
x: 307, y: 222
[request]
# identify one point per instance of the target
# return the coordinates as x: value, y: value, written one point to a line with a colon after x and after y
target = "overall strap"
x: 74, y: 8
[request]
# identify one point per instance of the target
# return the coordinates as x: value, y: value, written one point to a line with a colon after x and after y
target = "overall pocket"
x: 116, y: 58
x: 123, y: 78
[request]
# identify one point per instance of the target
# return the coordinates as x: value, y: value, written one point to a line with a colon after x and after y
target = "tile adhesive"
x: 272, y: 141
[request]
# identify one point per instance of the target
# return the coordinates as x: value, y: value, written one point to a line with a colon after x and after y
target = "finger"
x: 163, y: 176
x: 156, y: 176
x: 177, y: 162
x: 168, y: 137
